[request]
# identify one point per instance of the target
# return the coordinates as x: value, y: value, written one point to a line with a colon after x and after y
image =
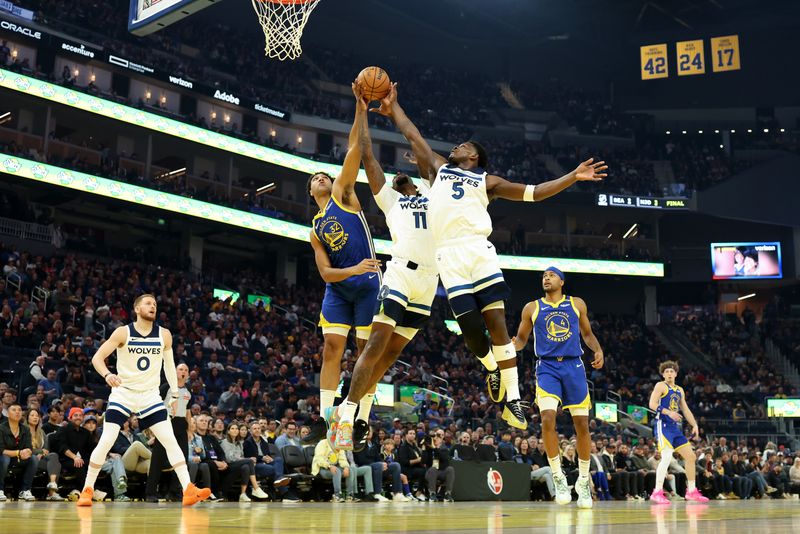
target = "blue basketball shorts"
x: 345, y: 308
x: 564, y: 379
x: 669, y: 435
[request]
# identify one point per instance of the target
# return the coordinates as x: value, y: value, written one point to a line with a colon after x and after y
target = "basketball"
x: 375, y: 83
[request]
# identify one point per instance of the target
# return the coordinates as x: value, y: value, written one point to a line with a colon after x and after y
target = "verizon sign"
x: 180, y: 81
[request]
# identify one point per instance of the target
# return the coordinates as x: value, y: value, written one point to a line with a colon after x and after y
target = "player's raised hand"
x: 598, y: 360
x: 113, y: 380
x: 388, y: 102
x: 695, y: 433
x: 588, y: 171
x: 367, y: 265
x: 358, y: 92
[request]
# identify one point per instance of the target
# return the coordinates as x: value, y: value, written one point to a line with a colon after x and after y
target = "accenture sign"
x: 225, y: 97
x: 81, y: 50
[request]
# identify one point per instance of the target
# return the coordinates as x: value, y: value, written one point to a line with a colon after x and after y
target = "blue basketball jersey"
x: 556, y: 332
x: 347, y: 240
x: 671, y: 400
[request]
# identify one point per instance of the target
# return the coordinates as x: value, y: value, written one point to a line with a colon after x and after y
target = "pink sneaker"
x: 695, y: 496
x: 658, y: 497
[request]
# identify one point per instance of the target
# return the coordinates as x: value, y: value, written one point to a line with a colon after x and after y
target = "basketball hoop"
x: 283, y: 22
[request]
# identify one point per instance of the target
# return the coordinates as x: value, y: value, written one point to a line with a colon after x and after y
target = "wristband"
x: 528, y: 196
x: 105, y: 376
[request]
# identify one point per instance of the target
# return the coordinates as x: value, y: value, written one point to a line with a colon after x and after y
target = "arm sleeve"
x: 169, y: 370
x: 386, y: 198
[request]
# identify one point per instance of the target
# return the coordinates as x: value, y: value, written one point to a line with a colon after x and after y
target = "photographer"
x: 437, y: 458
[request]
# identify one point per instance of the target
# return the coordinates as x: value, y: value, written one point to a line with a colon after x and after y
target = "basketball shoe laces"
x: 494, y: 382
x: 518, y: 407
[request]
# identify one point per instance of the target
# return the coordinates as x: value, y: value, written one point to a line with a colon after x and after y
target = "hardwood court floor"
x: 720, y: 517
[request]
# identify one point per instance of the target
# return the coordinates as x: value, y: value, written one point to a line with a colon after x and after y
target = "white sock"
x: 364, y: 407
x: 690, y: 485
x: 663, y: 468
x: 347, y: 410
x: 555, y: 466
x: 91, y: 476
x: 326, y: 397
x: 583, y: 468
x: 489, y: 362
x: 183, y: 476
x: 508, y: 376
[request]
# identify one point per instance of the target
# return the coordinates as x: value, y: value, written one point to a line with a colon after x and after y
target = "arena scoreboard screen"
x: 746, y: 260
x: 783, y: 407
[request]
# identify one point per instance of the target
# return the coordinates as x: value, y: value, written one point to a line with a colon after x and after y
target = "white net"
x: 283, y: 22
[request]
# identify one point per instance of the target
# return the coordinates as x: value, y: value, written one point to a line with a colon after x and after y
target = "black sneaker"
x: 360, y: 432
x: 514, y: 413
x: 319, y: 431
x: 495, y: 386
x: 448, y: 497
x: 151, y: 499
x: 433, y: 498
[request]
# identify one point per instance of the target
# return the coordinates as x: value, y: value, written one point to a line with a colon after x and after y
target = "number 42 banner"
x: 654, y: 61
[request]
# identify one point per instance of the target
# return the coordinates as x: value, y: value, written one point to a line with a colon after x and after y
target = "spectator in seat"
x: 624, y: 464
x: 742, y: 484
x: 363, y: 471
x: 48, y: 461
x: 55, y: 419
x: 370, y: 456
x: 437, y: 459
x: 388, y: 455
x: 52, y: 388
x: 794, y: 477
x: 409, y: 455
x: 234, y: 454
x: 257, y: 449
x: 540, y: 469
x: 198, y: 468
x: 215, y: 456
x: 135, y: 454
x: 640, y: 463
x: 16, y: 453
x: 113, y: 463
x: 505, y: 449
x: 289, y: 437
x: 331, y: 465
x: 600, y: 477
x: 75, y: 446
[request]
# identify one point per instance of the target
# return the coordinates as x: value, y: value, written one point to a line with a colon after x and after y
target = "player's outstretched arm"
x: 331, y: 274
x: 525, y: 326
x: 375, y: 175
x: 118, y: 338
x: 587, y: 334
x: 428, y: 161
x: 343, y: 188
x: 690, y: 417
x: 589, y: 171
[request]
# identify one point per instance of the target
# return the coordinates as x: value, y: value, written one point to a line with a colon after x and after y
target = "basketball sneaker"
x: 317, y: 434
x: 696, y: 496
x: 563, y: 493
x: 332, y: 417
x: 360, y: 433
x: 86, y: 497
x: 514, y: 414
x: 193, y: 495
x: 584, y: 493
x: 495, y: 386
x: 344, y: 437
x: 658, y: 497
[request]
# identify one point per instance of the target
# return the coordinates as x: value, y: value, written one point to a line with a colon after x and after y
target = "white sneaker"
x: 2, y: 496
x: 244, y: 498
x: 259, y: 493
x: 421, y: 497
x: 26, y: 496
x: 380, y: 498
x: 584, y: 492
x: 52, y: 486
x: 399, y: 497
x: 55, y: 497
x: 563, y: 494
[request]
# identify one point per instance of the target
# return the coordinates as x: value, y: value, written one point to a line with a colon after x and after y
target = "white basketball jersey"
x: 458, y: 205
x: 140, y: 359
x: 407, y: 219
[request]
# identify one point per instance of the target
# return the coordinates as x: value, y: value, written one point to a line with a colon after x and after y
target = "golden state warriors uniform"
x: 557, y: 342
x: 350, y: 303
x: 669, y: 433
x: 139, y: 363
x: 410, y: 280
x: 460, y: 226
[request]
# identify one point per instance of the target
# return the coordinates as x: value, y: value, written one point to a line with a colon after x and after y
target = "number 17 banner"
x: 725, y: 53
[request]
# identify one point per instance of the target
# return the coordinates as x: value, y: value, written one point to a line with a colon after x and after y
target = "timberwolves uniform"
x: 559, y: 369
x: 460, y: 225
x: 350, y: 303
x: 410, y: 280
x: 139, y: 363
x: 669, y: 433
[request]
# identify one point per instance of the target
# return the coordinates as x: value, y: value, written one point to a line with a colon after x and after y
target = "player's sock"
x: 347, y: 410
x: 364, y: 407
x: 91, y: 476
x: 583, y: 468
x: 489, y: 362
x: 555, y: 466
x: 690, y: 485
x: 508, y: 376
x: 663, y: 467
x: 326, y: 397
x: 183, y: 476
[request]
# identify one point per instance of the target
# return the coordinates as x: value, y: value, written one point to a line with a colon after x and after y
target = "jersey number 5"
x: 458, y: 190
x: 143, y: 363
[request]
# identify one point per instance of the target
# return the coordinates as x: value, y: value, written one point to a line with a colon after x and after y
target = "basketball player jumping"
x: 345, y: 258
x: 467, y: 262
x: 558, y: 322
x: 409, y: 286
x: 143, y: 347
x: 668, y: 400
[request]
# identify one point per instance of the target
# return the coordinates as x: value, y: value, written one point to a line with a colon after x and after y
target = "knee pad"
x: 474, y: 330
